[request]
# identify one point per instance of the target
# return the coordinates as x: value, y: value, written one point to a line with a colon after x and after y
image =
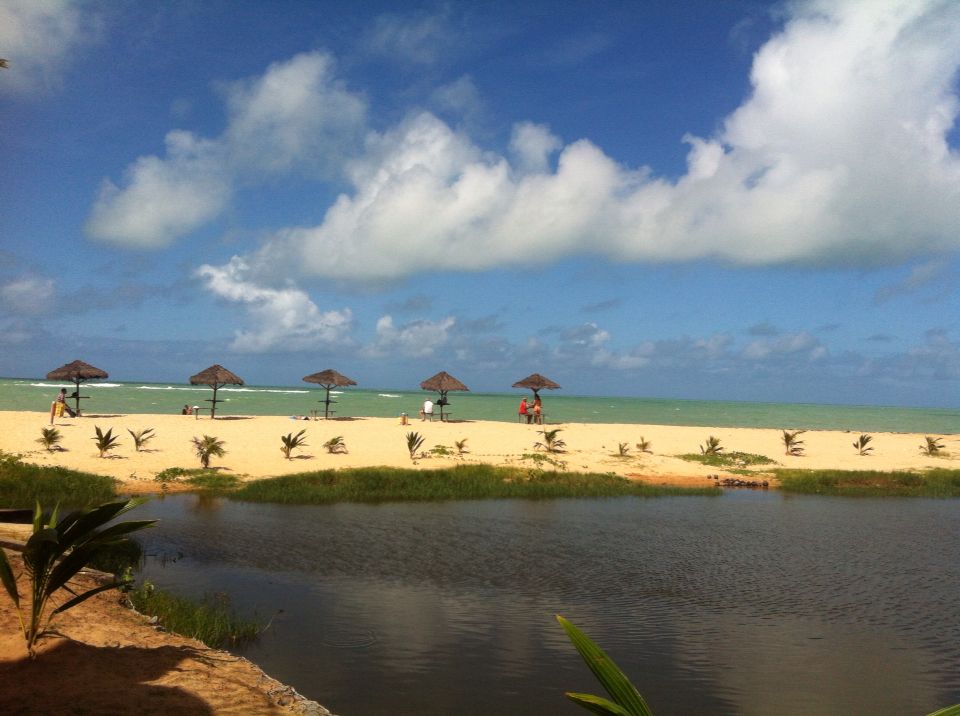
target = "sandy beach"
x: 253, y: 446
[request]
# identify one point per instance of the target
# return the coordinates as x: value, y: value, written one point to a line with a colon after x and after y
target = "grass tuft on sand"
x: 23, y: 484
x: 938, y: 482
x: 463, y: 482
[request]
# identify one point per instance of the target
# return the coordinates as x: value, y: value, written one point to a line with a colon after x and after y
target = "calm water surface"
x: 749, y: 603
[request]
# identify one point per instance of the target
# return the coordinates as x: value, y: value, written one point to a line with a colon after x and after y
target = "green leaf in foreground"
x: 626, y: 699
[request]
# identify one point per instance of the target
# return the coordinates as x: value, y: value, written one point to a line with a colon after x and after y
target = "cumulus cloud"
x: 38, y: 38
x: 296, y: 113
x: 28, y: 295
x: 838, y: 156
x: 415, y: 339
x: 283, y: 319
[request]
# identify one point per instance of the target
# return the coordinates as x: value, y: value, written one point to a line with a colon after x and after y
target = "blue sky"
x: 736, y: 200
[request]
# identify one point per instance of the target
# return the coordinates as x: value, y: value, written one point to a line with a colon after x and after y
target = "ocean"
x: 108, y: 397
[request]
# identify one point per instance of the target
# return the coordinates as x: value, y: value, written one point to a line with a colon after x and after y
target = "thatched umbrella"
x: 78, y: 371
x: 329, y: 379
x: 443, y: 382
x: 536, y: 383
x: 216, y: 376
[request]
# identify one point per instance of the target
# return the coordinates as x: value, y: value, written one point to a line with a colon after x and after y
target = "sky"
x: 740, y: 200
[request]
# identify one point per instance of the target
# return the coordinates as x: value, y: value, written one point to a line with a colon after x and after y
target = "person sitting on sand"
x: 62, y: 398
x: 523, y: 412
x: 187, y: 410
x: 427, y: 410
x: 537, y: 411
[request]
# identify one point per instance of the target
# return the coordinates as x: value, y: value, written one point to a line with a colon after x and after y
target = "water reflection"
x: 746, y: 604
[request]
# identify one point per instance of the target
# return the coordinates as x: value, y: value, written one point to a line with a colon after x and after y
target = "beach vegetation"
x: 551, y: 442
x: 335, y: 445
x: 541, y: 461
x: 23, y: 484
x: 862, y: 445
x: 414, y: 443
x: 49, y: 438
x: 627, y: 701
x: 460, y: 482
x: 141, y: 437
x: 939, y: 482
x: 211, y: 620
x: 106, y: 441
x: 207, y: 447
x: 440, y: 451
x: 644, y: 445
x: 932, y: 446
x: 711, y: 446
x: 461, y: 446
x: 733, y: 459
x: 792, y: 443
x: 55, y: 552
x: 623, y: 450
x: 291, y: 442
x: 213, y: 481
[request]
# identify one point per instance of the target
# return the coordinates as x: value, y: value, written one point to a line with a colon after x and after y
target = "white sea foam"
x: 387, y: 395
x: 262, y: 390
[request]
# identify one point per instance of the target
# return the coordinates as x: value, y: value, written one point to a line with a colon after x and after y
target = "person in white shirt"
x: 427, y: 410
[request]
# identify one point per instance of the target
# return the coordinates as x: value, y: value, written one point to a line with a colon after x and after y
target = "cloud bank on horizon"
x: 838, y: 156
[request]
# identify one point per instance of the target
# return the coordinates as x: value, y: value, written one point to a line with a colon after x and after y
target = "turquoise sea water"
x: 109, y: 397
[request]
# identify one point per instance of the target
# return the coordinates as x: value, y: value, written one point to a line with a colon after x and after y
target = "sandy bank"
x: 253, y: 446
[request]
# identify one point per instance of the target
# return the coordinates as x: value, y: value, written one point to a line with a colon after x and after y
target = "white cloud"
x: 28, y: 295
x: 296, y: 113
x: 39, y: 38
x: 797, y: 345
x: 416, y: 39
x: 283, y: 319
x: 838, y: 156
x: 416, y: 339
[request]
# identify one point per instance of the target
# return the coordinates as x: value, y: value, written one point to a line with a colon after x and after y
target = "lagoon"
x: 751, y: 603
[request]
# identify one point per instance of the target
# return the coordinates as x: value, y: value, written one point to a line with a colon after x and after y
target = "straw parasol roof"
x: 443, y: 382
x: 536, y: 383
x: 329, y: 379
x: 77, y: 372
x: 216, y: 376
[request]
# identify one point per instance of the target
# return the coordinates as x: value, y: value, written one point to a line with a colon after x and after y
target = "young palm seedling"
x: 623, y: 450
x: 54, y: 554
x: 792, y: 443
x: 106, y: 441
x: 207, y: 447
x: 49, y: 437
x: 644, y: 445
x: 461, y: 446
x: 711, y: 447
x: 291, y: 442
x: 551, y: 443
x: 414, y: 443
x: 335, y: 445
x: 141, y: 437
x: 932, y: 447
x: 861, y: 445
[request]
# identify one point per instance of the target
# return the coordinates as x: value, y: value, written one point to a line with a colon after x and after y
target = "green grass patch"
x: 202, y: 478
x: 212, y: 620
x: 729, y: 459
x: 939, y: 482
x: 22, y: 484
x: 463, y: 482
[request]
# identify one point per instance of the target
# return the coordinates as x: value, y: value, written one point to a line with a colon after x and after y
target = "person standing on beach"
x: 62, y: 399
x: 537, y: 411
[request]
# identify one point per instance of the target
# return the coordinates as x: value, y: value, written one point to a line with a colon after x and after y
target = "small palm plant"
x: 551, y: 443
x: 711, y: 447
x: 335, y: 445
x: 106, y: 441
x: 644, y: 445
x: 414, y: 443
x: 792, y: 443
x: 623, y: 449
x: 49, y: 437
x: 861, y: 445
x: 207, y: 447
x: 461, y: 446
x: 292, y: 442
x: 54, y: 554
x: 933, y: 447
x: 141, y: 437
